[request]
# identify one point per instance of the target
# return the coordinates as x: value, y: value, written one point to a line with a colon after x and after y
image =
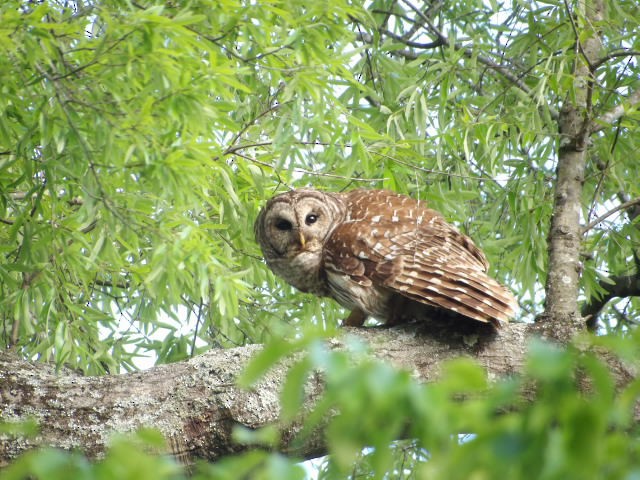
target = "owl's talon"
x: 355, y: 319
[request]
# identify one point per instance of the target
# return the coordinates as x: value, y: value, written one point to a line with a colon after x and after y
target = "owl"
x: 379, y: 254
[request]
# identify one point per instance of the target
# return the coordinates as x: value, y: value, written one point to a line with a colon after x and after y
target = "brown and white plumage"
x: 380, y: 254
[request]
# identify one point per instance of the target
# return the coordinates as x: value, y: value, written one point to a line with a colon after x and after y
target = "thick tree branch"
x: 621, y: 286
x: 196, y: 403
x: 617, y: 286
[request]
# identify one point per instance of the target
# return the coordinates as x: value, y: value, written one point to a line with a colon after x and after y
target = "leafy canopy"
x: 139, y: 139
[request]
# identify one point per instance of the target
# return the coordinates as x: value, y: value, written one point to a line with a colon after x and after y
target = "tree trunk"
x: 575, y: 125
x: 195, y: 404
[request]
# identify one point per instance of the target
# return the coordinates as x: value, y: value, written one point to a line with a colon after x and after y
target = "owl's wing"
x: 432, y: 263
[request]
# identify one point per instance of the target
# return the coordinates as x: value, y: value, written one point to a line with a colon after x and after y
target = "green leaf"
x: 266, y: 359
x: 267, y: 436
x: 463, y: 375
x: 293, y: 390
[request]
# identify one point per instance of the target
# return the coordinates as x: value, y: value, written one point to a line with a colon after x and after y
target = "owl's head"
x: 297, y: 221
x: 292, y: 229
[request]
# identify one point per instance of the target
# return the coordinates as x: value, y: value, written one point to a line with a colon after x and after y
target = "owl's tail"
x: 464, y: 290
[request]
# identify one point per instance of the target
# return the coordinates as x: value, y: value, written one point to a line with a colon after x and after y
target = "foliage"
x: 561, y: 431
x: 128, y: 458
x: 139, y: 139
x: 133, y: 164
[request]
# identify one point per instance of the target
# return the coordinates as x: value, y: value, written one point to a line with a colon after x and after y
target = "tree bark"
x: 196, y: 403
x: 575, y: 127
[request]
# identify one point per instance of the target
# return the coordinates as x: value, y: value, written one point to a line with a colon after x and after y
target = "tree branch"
x: 617, y: 286
x: 368, y: 39
x: 443, y: 40
x: 196, y: 403
x: 602, y: 218
x: 615, y: 54
x: 412, y: 44
x: 471, y: 53
x: 632, y: 212
x: 608, y: 118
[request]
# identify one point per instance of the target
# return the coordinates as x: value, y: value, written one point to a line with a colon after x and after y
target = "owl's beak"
x: 302, y: 240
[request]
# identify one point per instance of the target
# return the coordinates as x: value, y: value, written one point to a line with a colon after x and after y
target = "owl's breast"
x: 302, y: 271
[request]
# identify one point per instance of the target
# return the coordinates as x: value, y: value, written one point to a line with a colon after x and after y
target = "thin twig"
x: 434, y: 172
x: 616, y: 112
x: 341, y: 177
x: 109, y: 284
x: 615, y: 54
x: 236, y: 151
x: 411, y: 43
x: 601, y: 218
x: 469, y: 53
x: 249, y: 124
x: 195, y: 330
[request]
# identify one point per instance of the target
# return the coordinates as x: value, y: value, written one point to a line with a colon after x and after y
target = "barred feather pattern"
x: 383, y: 255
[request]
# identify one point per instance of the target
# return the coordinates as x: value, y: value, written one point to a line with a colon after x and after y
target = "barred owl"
x: 378, y: 254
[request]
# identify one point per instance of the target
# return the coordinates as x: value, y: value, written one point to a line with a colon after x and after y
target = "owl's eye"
x: 311, y: 219
x: 284, y: 225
